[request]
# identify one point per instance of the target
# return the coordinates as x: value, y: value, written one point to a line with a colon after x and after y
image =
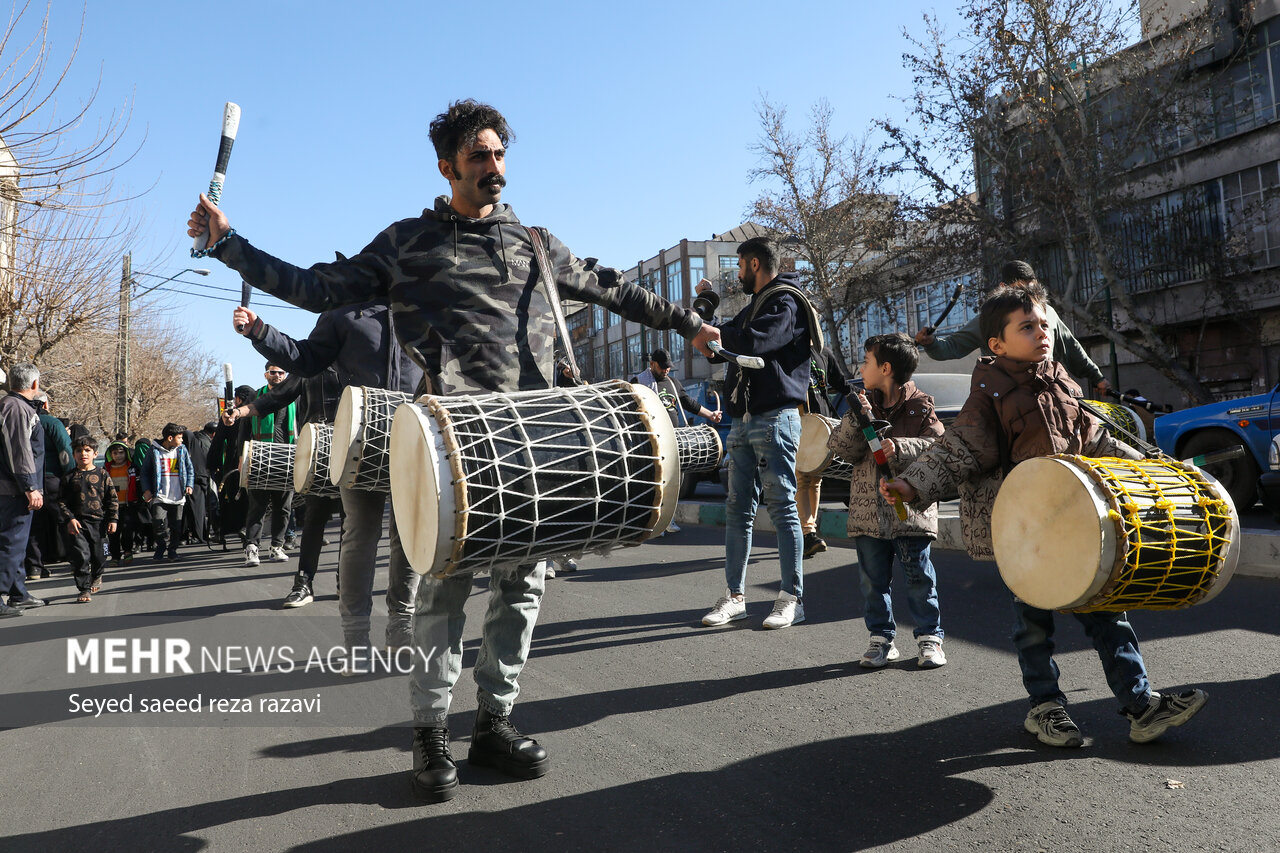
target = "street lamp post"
x: 122, y: 343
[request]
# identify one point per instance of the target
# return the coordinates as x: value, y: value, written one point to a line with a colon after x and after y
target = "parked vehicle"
x: 1249, y: 421
x: 1269, y: 482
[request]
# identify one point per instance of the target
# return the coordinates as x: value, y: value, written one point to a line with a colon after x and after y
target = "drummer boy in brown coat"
x: 877, y: 533
x: 1021, y: 405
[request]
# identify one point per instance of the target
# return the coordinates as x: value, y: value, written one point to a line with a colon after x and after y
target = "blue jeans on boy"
x: 875, y: 571
x: 1113, y: 638
x: 515, y: 595
x: 762, y: 455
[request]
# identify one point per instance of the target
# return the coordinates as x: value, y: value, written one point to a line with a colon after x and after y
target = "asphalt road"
x: 664, y: 735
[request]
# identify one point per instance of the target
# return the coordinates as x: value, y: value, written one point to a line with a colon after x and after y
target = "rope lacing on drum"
x: 1177, y: 533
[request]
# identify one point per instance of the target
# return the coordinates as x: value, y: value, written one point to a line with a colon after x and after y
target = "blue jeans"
x: 762, y: 455
x: 515, y: 595
x: 15, y: 527
x: 875, y: 572
x: 1113, y: 638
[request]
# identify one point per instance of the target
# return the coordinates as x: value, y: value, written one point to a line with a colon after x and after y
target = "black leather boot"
x: 435, y: 777
x: 496, y: 743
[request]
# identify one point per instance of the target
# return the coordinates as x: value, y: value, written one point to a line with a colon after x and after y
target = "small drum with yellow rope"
x: 482, y: 482
x: 812, y: 454
x: 1081, y: 534
x: 1124, y: 417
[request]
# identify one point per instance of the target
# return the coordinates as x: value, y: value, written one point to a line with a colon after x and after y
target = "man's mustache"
x: 494, y: 181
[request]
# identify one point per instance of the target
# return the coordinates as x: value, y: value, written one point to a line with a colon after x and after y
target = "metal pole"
x: 1115, y: 368
x: 122, y: 346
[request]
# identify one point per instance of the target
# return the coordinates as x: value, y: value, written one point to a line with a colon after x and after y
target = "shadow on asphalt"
x: 851, y: 793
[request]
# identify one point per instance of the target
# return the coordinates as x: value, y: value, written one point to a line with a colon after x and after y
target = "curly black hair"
x: 461, y: 124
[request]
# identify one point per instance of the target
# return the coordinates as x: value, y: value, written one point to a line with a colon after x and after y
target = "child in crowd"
x: 124, y: 476
x: 877, y: 533
x: 1022, y: 405
x: 87, y: 506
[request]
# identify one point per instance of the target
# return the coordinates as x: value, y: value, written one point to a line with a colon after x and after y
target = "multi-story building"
x: 609, y: 347
x: 1210, y: 187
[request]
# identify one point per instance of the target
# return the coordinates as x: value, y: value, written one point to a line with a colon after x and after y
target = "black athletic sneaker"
x: 299, y: 596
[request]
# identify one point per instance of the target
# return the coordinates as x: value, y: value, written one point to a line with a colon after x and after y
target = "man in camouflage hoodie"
x: 463, y: 283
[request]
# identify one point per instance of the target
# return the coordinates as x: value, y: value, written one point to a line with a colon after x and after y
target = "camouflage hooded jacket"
x: 462, y: 294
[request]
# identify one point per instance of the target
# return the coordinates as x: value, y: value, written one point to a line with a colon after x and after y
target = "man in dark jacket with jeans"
x: 359, y: 341
x: 765, y: 404
x: 21, y: 484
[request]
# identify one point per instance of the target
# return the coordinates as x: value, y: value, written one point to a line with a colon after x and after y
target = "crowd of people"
x: 465, y: 299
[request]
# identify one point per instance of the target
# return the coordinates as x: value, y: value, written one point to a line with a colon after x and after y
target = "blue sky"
x: 634, y: 122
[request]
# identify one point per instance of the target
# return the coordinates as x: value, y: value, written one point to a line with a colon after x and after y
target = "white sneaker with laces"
x: 879, y: 653
x: 931, y: 654
x: 251, y: 555
x: 278, y: 555
x: 787, y: 610
x: 727, y: 609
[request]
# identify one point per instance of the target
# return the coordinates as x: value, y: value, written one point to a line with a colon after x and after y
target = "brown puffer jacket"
x: 915, y: 427
x: 1034, y: 408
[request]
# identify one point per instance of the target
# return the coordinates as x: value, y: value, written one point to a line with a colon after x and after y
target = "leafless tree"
x: 823, y: 197
x: 1037, y: 132
x: 62, y: 224
x: 172, y: 379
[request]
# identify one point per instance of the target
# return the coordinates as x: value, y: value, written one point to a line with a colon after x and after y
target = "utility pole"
x: 122, y: 347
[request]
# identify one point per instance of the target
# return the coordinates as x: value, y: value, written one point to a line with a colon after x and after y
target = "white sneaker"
x: 787, y: 610
x: 931, y: 654
x: 278, y: 555
x: 251, y: 555
x: 673, y: 528
x: 880, y: 652
x: 727, y: 609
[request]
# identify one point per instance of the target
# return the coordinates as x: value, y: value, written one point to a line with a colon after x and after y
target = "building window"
x: 675, y: 282
x: 599, y: 364
x: 1251, y: 208
x: 675, y: 346
x: 728, y: 272
x: 697, y: 272
x: 636, y: 360
x: 616, y: 359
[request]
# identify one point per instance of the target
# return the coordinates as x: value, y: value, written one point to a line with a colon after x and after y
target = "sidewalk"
x: 1259, y: 554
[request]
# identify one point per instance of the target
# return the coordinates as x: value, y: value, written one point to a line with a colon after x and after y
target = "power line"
x: 227, y: 299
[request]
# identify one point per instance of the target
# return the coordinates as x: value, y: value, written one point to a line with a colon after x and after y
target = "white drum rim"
x: 304, y: 458
x: 663, y: 433
x: 423, y: 508
x: 816, y: 428
x: 1029, y: 549
x: 346, y: 445
x: 246, y: 454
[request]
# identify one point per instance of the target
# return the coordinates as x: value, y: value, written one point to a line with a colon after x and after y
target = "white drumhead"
x: 1054, y: 541
x: 344, y: 449
x: 421, y: 489
x: 304, y: 457
x: 664, y: 434
x: 246, y: 460
x: 812, y: 454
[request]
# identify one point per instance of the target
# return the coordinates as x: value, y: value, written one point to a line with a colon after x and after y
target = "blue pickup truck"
x: 1251, y: 421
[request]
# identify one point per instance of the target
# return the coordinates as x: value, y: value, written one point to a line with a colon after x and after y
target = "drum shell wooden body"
x: 698, y: 448
x: 482, y: 482
x: 812, y: 454
x: 266, y: 466
x: 360, y: 456
x: 1072, y: 533
x: 311, y: 461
